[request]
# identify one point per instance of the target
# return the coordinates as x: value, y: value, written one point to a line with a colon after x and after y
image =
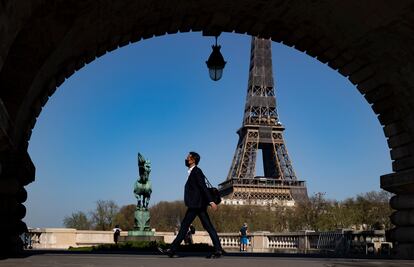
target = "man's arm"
x: 200, y: 179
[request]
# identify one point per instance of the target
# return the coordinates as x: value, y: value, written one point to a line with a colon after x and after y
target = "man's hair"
x: 195, y: 156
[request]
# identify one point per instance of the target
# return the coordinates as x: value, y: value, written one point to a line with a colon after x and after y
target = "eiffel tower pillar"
x: 261, y: 129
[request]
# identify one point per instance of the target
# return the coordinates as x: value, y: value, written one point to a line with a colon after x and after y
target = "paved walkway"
x: 194, y: 260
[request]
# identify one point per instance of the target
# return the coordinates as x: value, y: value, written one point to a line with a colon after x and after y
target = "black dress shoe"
x: 216, y: 255
x: 167, y: 252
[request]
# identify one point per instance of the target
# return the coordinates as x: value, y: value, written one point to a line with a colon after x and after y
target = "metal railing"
x: 263, y: 181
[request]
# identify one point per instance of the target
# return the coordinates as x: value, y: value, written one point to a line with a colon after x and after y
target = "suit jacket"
x: 196, y: 194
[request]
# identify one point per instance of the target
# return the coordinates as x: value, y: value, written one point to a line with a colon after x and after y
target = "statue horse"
x: 142, y: 187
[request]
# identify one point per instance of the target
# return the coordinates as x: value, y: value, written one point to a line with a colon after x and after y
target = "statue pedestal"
x: 140, y: 233
x: 137, y: 235
x: 142, y: 230
x: 142, y: 221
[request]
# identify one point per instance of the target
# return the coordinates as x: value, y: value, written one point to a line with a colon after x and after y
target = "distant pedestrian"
x: 189, y: 236
x: 177, y: 226
x: 243, y: 237
x: 117, y: 233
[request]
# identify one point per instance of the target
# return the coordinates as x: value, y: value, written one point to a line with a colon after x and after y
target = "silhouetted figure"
x: 243, y: 237
x: 197, y: 198
x: 189, y: 236
x: 117, y: 233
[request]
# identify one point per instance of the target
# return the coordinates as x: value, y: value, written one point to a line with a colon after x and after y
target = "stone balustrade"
x: 338, y: 242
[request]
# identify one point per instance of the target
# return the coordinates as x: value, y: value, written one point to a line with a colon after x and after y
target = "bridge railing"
x: 341, y: 242
x: 335, y: 242
x: 264, y: 241
x: 232, y: 241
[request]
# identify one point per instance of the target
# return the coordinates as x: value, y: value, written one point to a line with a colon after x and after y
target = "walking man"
x: 197, y: 198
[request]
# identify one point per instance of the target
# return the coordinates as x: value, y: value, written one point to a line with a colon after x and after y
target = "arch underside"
x: 369, y: 42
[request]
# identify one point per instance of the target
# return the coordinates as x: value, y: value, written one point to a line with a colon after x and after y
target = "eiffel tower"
x: 261, y: 130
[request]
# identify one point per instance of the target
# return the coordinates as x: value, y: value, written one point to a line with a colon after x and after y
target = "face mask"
x: 187, y: 164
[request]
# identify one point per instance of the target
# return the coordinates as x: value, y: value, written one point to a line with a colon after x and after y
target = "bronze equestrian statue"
x: 142, y: 187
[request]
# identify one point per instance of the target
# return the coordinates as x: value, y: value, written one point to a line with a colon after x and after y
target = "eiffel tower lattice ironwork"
x: 261, y: 130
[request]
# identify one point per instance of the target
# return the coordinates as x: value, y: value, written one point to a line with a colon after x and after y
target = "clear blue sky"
x: 155, y: 97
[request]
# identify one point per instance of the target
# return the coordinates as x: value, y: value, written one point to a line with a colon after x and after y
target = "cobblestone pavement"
x: 194, y: 260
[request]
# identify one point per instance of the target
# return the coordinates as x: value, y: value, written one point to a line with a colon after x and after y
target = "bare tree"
x: 78, y: 220
x: 371, y: 209
x: 104, y: 215
x: 126, y: 216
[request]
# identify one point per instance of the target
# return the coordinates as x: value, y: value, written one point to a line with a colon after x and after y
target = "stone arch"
x: 47, y: 41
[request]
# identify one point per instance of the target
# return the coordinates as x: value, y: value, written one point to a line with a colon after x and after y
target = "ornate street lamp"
x: 215, y: 63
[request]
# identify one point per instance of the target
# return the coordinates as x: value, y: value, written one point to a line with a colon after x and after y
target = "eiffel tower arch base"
x: 259, y: 196
x: 262, y: 192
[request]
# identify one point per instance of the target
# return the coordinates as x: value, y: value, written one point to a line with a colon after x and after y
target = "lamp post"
x: 216, y: 63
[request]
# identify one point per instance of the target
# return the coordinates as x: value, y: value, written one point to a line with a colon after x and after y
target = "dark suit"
x: 196, y: 194
x: 196, y: 198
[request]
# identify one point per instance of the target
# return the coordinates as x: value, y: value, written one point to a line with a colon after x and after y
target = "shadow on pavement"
x: 29, y: 253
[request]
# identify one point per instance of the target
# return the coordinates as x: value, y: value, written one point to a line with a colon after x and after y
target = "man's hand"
x: 213, y: 206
